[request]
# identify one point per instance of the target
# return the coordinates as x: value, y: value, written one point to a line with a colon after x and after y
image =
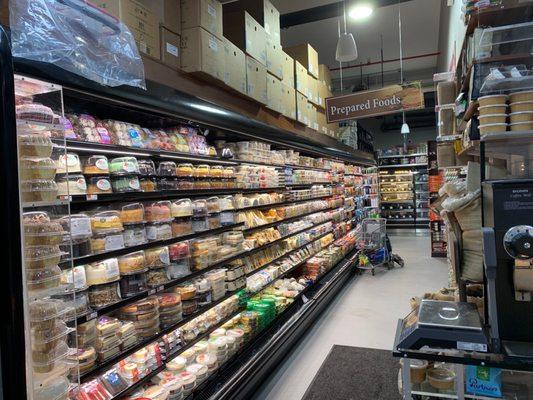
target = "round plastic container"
x: 81, y: 247
x: 99, y: 185
x: 132, y: 263
x: 38, y: 190
x: 35, y: 145
x: 37, y: 168
x: 96, y: 165
x: 526, y: 95
x: 167, y: 183
x: 178, y: 270
x: 132, y: 213
x: 132, y: 284
x: 157, y: 257
x: 182, y: 208
x: 182, y: 226
x: 102, y: 272
x: 199, y: 208
x: 124, y: 166
x: 201, y: 171
x: 134, y: 235
x: 77, y: 300
x: 106, y: 222
x: 216, y: 171
x: 40, y: 230
x: 158, y: 211
x: 71, y: 185
x: 166, y: 168
x: 156, y: 276
x: 179, y: 251
x: 35, y: 112
x: 148, y: 183
x: 187, y: 291
x: 490, y: 128
x: 146, y: 167
x: 159, y: 231
x: 68, y: 163
x: 44, y: 280
x: 125, y: 183
x: 522, y: 106
x: 103, y: 295
x: 38, y: 257
x: 75, y: 277
x: 184, y: 170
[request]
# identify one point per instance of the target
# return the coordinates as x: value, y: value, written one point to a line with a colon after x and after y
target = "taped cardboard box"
x: 140, y: 20
x: 168, y: 12
x: 288, y: 69
x: 256, y: 80
x: 301, y: 108
x: 274, y: 98
x: 247, y: 34
x: 323, y: 94
x: 324, y: 75
x: 202, y: 53
x: 263, y: 11
x: 312, y: 89
x: 206, y: 14
x: 274, y: 58
x: 306, y: 55
x: 288, y: 95
x: 300, y: 77
x: 170, y: 47
x: 311, y: 116
x: 322, y: 122
x: 234, y: 67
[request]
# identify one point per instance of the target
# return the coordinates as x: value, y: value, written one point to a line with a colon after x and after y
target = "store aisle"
x: 364, y: 314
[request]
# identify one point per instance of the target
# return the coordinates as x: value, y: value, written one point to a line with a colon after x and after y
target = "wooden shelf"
x: 471, y: 110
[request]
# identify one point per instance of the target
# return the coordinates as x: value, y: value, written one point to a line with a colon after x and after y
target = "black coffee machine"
x: 508, y: 253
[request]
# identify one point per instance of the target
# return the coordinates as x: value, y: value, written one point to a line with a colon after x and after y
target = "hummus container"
x: 522, y: 126
x: 492, y: 100
x: 490, y: 128
x: 418, y: 369
x: 520, y: 106
x: 522, y: 116
x: 521, y: 96
x: 441, y: 378
x: 493, y: 109
x: 492, y: 119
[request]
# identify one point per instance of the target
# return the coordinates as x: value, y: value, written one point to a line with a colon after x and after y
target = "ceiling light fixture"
x: 346, y: 48
x: 361, y: 12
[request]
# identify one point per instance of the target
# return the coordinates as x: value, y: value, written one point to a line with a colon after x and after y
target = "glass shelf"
x: 506, y: 34
x: 507, y: 79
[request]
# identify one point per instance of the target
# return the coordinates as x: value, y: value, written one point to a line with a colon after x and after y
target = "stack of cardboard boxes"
x: 235, y: 45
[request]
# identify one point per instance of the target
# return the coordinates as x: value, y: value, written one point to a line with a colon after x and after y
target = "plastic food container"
x: 38, y: 190
x: 148, y: 184
x: 178, y: 270
x: 158, y: 231
x: 35, y: 112
x: 77, y: 300
x: 37, y: 168
x: 526, y: 95
x: 493, y: 109
x: 145, y: 306
x: 156, y: 276
x: 521, y: 117
x: 213, y: 205
x: 80, y: 247
x: 96, y: 165
x: 521, y: 106
x: 43, y: 280
x: 125, y: 183
x: 132, y: 263
x: 55, y: 389
x: 490, y: 128
x: 441, y: 378
x: 158, y: 212
x: 35, y: 145
x: 146, y: 167
x: 418, y: 369
x: 182, y: 226
x: 40, y: 230
x: 187, y: 291
x: 102, y: 272
x: 103, y: 242
x: 124, y: 166
x: 132, y: 284
x: 179, y: 251
x: 132, y: 213
x: 184, y: 170
x: 134, y: 235
x: 103, y: 295
x: 45, y: 361
x: 492, y: 119
x: 157, y: 257
x: 492, y: 100
x: 99, y: 185
x: 75, y: 277
x: 182, y: 208
x: 201, y: 171
x: 166, y: 168
x: 106, y: 222
x: 522, y: 126
x: 199, y: 224
x: 44, y: 256
x: 71, y: 185
x: 68, y: 163
x: 216, y: 171
x: 45, y: 313
x: 167, y: 183
x: 189, y: 306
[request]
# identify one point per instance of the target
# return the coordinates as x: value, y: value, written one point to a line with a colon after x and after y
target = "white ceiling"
x: 420, y: 35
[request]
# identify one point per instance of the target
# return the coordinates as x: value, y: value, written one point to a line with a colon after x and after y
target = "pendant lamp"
x: 346, y: 48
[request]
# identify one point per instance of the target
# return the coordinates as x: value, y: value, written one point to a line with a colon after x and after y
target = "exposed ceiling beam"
x: 327, y: 11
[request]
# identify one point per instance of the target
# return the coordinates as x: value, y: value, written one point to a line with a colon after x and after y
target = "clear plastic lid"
x: 168, y: 300
x: 44, y: 359
x: 201, y: 171
x: 158, y: 211
x: 132, y: 213
x: 47, y: 310
x: 166, y: 168
x: 69, y: 162
x: 157, y: 257
x: 184, y: 170
x: 72, y: 185
x: 216, y: 171
x: 147, y: 305
x: 124, y: 166
x: 99, y: 184
x: 106, y: 222
x: 96, y: 165
x: 52, y: 389
x: 78, y: 225
x: 35, y: 145
x: 146, y: 167
x: 42, y: 256
x: 39, y: 229
x: 226, y: 203
x: 179, y: 251
x: 213, y: 205
x: 38, y: 189
x: 75, y: 276
x: 43, y: 279
x: 106, y: 326
x: 57, y: 331
x: 37, y: 168
x: 182, y: 208
x: 102, y: 272
x: 199, y: 208
x: 104, y: 343
x: 229, y: 172
x: 132, y: 263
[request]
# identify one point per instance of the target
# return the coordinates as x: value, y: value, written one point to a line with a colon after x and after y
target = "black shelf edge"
x: 156, y: 243
x: 290, y: 219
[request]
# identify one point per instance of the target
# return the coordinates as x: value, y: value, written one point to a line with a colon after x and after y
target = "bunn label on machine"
x: 519, y: 199
x: 469, y: 346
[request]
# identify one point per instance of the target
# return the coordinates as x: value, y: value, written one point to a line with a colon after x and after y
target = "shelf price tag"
x: 304, y: 298
x: 92, y: 197
x: 160, y: 288
x: 151, y: 291
x: 92, y: 315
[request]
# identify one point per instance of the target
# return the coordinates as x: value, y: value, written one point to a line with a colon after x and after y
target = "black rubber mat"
x: 356, y: 373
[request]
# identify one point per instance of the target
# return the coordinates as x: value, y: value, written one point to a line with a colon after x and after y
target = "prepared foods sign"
x: 371, y: 103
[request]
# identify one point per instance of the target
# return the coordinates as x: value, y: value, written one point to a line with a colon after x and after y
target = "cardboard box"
x: 312, y: 89
x: 274, y: 98
x: 322, y: 122
x: 234, y: 67
x: 301, y: 108
x: 203, y: 13
x: 300, y: 77
x: 202, y: 53
x: 323, y: 94
x: 306, y: 55
x: 274, y: 59
x: 246, y: 33
x: 333, y: 129
x: 288, y: 69
x: 256, y: 80
x: 170, y: 47
x: 311, y: 117
x: 168, y: 12
x: 288, y: 106
x: 140, y: 20
x: 324, y: 75
x: 264, y: 12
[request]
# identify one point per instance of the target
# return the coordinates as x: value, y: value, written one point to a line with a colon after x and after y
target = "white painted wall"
x: 451, y: 35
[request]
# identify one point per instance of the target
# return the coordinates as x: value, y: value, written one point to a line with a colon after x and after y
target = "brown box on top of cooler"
x: 170, y: 47
x: 203, y: 13
x: 288, y: 69
x: 256, y: 80
x: 274, y: 57
x: 234, y: 67
x: 288, y: 97
x: 300, y: 78
x: 306, y: 55
x: 274, y: 94
x: 202, y: 53
x: 247, y: 34
x: 263, y: 11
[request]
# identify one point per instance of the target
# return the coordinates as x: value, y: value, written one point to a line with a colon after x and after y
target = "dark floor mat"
x: 356, y: 373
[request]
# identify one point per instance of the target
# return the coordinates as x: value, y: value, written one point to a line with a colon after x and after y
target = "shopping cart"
x: 375, y: 250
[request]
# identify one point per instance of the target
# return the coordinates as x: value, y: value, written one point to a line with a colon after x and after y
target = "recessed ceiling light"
x: 361, y: 11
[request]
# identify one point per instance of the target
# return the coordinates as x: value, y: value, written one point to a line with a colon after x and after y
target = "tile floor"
x: 364, y: 314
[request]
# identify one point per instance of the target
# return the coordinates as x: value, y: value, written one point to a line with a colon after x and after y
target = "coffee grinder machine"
x: 508, y: 259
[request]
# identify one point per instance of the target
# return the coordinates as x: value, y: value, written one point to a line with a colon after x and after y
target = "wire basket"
x: 373, y: 233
